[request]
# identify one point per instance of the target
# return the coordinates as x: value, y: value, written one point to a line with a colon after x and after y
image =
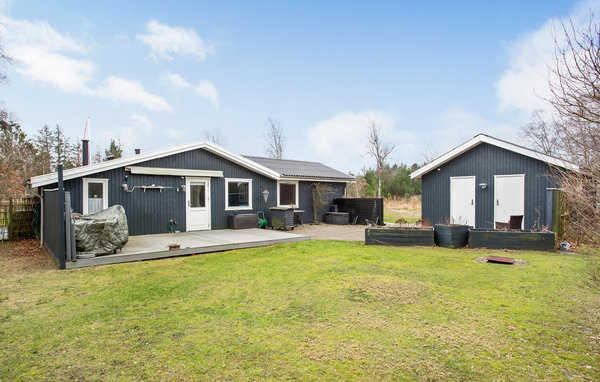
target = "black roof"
x: 301, y: 169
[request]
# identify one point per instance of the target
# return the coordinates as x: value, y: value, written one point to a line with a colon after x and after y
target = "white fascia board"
x: 174, y: 171
x: 482, y: 138
x: 335, y: 180
x: 242, y: 161
x: 42, y: 180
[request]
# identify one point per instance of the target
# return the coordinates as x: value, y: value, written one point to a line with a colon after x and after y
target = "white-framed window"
x: 95, y: 195
x: 287, y: 194
x: 238, y: 194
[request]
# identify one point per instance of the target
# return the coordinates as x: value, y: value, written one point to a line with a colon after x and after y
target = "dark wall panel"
x: 149, y: 212
x: 306, y: 199
x: 485, y: 161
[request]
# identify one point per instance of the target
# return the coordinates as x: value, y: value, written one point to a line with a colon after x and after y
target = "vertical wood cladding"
x: 306, y: 202
x: 484, y: 161
x: 149, y: 212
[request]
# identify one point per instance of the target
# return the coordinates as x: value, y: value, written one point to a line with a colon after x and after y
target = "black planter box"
x: 522, y: 240
x: 399, y: 237
x: 242, y: 221
x: 451, y: 235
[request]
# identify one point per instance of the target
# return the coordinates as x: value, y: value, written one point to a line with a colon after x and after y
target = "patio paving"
x: 148, y: 247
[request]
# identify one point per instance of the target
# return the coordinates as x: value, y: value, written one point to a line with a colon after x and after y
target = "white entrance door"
x: 462, y: 200
x: 509, y: 197
x: 197, y: 194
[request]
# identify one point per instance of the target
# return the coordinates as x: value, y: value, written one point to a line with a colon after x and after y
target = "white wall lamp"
x: 483, y: 185
x: 265, y: 194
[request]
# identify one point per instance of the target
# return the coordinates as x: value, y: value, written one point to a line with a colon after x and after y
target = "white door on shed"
x: 462, y: 200
x: 197, y: 195
x: 509, y: 197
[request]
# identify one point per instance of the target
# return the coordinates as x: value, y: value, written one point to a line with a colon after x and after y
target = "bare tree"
x: 378, y: 149
x: 575, y: 96
x: 5, y: 59
x: 322, y: 195
x: 428, y: 153
x: 275, y: 139
x: 215, y: 136
x: 541, y: 134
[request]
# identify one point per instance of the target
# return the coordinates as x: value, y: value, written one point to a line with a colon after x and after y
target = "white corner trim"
x: 250, y: 195
x: 482, y: 138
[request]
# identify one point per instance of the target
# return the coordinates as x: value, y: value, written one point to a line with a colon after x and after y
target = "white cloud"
x: 178, y: 81
x: 456, y: 126
x: 165, y: 40
x: 341, y: 141
x: 131, y: 91
x: 207, y: 90
x: 175, y: 133
x: 203, y: 88
x: 524, y: 84
x: 142, y: 121
x: 43, y: 54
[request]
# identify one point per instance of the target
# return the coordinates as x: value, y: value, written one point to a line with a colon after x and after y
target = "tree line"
x: 22, y: 157
x: 390, y: 181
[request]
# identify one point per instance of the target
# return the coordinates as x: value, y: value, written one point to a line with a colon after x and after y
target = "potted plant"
x: 451, y: 235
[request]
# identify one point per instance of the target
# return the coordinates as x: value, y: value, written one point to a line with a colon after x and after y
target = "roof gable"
x: 482, y: 138
x: 290, y: 169
x: 43, y: 180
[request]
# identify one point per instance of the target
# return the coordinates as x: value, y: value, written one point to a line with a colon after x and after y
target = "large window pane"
x: 238, y: 194
x: 287, y: 194
x: 198, y: 195
x: 95, y: 197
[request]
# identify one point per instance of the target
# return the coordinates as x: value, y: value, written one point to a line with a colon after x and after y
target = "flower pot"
x: 451, y: 235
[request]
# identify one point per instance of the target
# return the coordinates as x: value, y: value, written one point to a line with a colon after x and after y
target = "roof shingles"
x: 300, y: 169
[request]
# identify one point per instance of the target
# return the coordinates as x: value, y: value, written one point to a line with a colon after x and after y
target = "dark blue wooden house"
x: 487, y: 180
x: 195, y: 185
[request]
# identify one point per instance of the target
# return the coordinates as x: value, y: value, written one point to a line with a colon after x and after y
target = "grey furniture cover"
x: 102, y: 232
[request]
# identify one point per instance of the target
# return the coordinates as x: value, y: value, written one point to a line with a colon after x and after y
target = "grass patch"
x: 318, y: 310
x: 391, y: 216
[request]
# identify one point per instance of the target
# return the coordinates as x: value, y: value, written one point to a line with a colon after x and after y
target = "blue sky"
x: 155, y: 74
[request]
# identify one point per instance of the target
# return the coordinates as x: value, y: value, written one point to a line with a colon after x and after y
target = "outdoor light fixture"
x: 483, y: 185
x: 183, y: 187
x: 124, y: 186
x: 265, y: 194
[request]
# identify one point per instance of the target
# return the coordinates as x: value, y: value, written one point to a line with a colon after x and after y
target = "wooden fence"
x: 19, y: 218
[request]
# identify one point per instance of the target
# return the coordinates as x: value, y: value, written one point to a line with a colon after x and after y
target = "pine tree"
x: 115, y: 149
x: 43, y: 143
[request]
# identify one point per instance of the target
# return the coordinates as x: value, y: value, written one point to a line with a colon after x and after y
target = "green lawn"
x: 317, y: 310
x: 391, y: 216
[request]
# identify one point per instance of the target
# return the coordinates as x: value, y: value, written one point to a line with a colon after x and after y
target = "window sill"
x: 238, y: 208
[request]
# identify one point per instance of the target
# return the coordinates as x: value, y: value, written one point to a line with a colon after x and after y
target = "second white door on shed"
x: 462, y: 200
x: 509, y: 197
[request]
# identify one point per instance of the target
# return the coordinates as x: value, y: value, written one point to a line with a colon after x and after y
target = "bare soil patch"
x: 23, y: 257
x: 332, y: 232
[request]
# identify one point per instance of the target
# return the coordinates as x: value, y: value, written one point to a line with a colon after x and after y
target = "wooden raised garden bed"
x: 399, y: 236
x: 451, y: 235
x: 521, y: 240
